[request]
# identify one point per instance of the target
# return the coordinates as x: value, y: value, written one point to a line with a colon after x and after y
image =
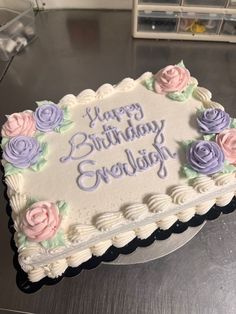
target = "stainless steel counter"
x: 84, y: 49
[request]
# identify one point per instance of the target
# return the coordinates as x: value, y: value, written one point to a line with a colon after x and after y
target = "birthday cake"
x: 104, y: 167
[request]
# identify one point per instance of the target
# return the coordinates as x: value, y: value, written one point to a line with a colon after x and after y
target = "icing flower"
x: 172, y: 78
x: 22, y: 151
x: 48, y: 117
x: 227, y: 141
x: 213, y: 121
x: 41, y: 221
x: 22, y: 123
x: 205, y: 157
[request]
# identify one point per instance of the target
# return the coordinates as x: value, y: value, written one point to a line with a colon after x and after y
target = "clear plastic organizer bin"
x: 200, y: 23
x: 232, y: 4
x: 229, y: 25
x: 156, y: 21
x: 17, y: 26
x: 165, y: 2
x: 209, y: 3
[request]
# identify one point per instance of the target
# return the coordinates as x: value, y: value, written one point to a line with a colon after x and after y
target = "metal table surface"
x: 84, y: 49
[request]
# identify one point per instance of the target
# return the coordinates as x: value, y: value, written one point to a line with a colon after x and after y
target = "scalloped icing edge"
x: 180, y: 195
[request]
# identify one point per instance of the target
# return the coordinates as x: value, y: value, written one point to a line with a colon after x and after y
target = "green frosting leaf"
x: 233, y: 124
x: 62, y: 207
x: 41, y: 161
x: 40, y: 136
x: 182, y: 96
x: 149, y: 83
x: 44, y: 147
x: 57, y: 240
x: 39, y: 165
x: 181, y: 64
x: 67, y: 124
x: 185, y: 144
x: 31, y: 201
x: 209, y: 137
x: 66, y: 113
x: 9, y: 169
x: 4, y: 141
x: 200, y: 110
x: 228, y: 168
x: 189, y: 173
x: 21, y: 240
x: 42, y: 102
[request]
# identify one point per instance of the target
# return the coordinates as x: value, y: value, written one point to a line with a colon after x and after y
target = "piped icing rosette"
x: 174, y: 81
x: 172, y: 78
x: 213, y: 121
x: 22, y: 151
x: 41, y: 221
x: 205, y: 157
x: 227, y: 141
x: 48, y: 117
x: 21, y: 123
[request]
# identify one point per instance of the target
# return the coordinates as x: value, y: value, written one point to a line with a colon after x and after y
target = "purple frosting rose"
x: 48, y: 117
x: 213, y: 121
x: 205, y: 157
x: 22, y: 151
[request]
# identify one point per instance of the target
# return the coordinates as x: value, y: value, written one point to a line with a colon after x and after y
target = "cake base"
x: 112, y: 253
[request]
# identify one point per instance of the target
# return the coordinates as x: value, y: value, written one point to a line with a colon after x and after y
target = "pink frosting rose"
x: 227, y: 141
x: 172, y: 78
x: 21, y: 123
x: 41, y: 221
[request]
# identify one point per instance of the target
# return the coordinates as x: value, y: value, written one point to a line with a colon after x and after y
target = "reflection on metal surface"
x: 158, y: 248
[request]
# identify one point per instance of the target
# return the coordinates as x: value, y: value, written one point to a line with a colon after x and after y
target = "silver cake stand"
x: 158, y: 248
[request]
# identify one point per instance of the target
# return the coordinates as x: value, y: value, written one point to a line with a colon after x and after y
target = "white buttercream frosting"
x: 104, y: 91
x: 213, y: 105
x: 145, y: 231
x: 202, y: 94
x: 223, y: 178
x: 15, y: 183
x: 80, y: 232
x: 204, y: 207
x: 203, y: 184
x: 78, y: 258
x: 36, y: 274
x: 167, y: 222
x: 182, y: 194
x: 186, y: 215
x: 125, y: 85
x: 135, y: 211
x: 68, y: 101
x: 159, y: 203
x: 122, y: 239
x: 101, y: 247
x: 56, y: 268
x: 225, y: 199
x: 18, y: 202
x: 108, y: 221
x: 86, y: 96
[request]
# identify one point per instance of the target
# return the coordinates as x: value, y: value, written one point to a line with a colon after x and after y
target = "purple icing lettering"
x: 86, y: 174
x: 116, y: 170
x: 131, y: 111
x: 83, y: 144
x: 96, y: 116
x: 75, y: 146
x: 111, y: 136
x: 159, y: 138
x: 129, y: 168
